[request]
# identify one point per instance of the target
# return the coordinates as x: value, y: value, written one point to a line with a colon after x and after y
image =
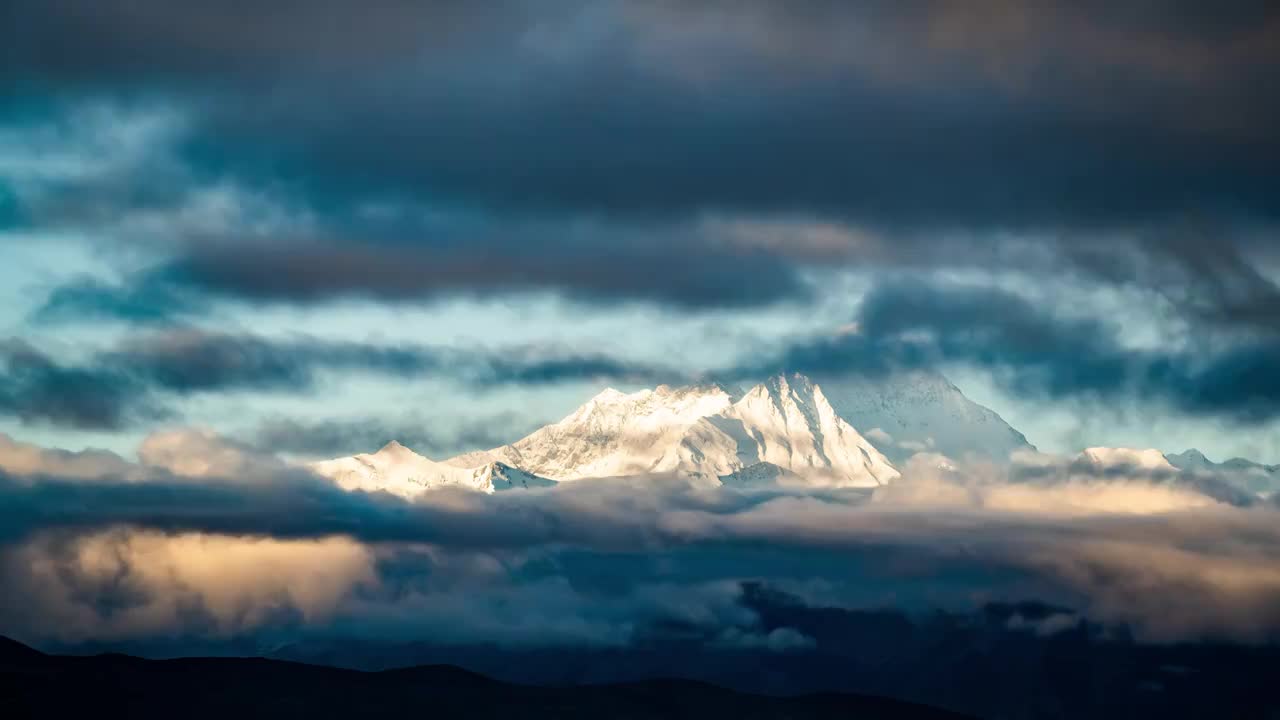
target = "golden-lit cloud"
x: 130, y: 583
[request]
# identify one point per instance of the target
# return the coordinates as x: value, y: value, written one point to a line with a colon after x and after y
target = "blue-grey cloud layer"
x: 985, y: 114
x: 129, y: 384
x: 924, y: 116
x: 1042, y: 352
x: 614, y: 154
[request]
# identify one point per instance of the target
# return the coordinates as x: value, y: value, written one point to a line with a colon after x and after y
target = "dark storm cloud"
x: 899, y: 117
x: 262, y: 499
x: 35, y: 388
x: 1039, y: 351
x: 406, y: 258
x: 1038, y: 111
x: 585, y: 265
x: 186, y: 361
x: 234, y: 42
x: 449, y: 148
x: 126, y: 385
x: 89, y: 299
x: 1214, y: 274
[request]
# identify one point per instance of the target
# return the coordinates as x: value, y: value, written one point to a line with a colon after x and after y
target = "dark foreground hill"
x: 35, y: 685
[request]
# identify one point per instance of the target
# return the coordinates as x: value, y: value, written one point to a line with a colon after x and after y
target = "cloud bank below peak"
x: 1112, y: 543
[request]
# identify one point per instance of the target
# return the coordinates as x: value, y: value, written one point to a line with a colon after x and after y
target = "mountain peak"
x: 710, y: 431
x: 400, y: 471
x: 786, y: 380
x: 704, y: 430
x: 1244, y: 474
x: 699, y: 389
x: 784, y: 429
x: 920, y: 411
x: 608, y: 395
x: 394, y: 448
x: 789, y: 392
x: 1189, y: 455
x: 1145, y: 459
x: 783, y: 384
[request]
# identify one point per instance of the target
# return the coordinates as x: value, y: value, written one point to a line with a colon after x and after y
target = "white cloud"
x: 201, y: 453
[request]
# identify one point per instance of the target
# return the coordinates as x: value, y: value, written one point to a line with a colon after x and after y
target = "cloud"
x: 695, y: 157
x: 333, y: 437
x: 198, y: 453
x: 586, y: 262
x: 594, y: 173
x: 114, y: 584
x: 91, y: 299
x: 35, y: 388
x: 1040, y: 484
x: 620, y: 555
x: 1026, y: 343
x: 1040, y: 351
x: 130, y: 383
x: 189, y: 360
x: 19, y: 458
x: 653, y: 98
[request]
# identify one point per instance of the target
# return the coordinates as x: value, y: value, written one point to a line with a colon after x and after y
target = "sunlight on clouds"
x: 117, y: 583
x: 1172, y: 593
x: 197, y: 453
x: 1086, y: 497
x: 19, y: 458
x: 931, y: 481
x: 600, y: 562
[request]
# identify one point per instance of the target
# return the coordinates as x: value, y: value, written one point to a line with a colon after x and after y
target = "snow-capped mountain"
x: 398, y: 470
x: 919, y: 411
x: 613, y: 434
x: 784, y: 430
x: 1147, y: 459
x: 1155, y: 466
x: 1244, y: 474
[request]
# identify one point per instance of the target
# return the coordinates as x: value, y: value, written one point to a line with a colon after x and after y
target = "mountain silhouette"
x: 35, y: 685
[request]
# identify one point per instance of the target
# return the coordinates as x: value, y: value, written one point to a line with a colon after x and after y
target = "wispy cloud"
x: 130, y: 383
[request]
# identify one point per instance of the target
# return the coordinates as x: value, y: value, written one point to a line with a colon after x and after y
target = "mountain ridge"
x: 1247, y: 475
x: 706, y: 432
x: 113, y: 685
x: 398, y: 470
x: 787, y: 430
x: 783, y: 432
x: 906, y: 412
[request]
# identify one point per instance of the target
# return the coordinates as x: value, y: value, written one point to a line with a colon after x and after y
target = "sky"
x: 325, y: 226
x: 237, y: 235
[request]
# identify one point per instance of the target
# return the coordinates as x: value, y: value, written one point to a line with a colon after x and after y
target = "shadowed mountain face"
x: 1243, y: 474
x: 36, y: 685
x: 909, y: 412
